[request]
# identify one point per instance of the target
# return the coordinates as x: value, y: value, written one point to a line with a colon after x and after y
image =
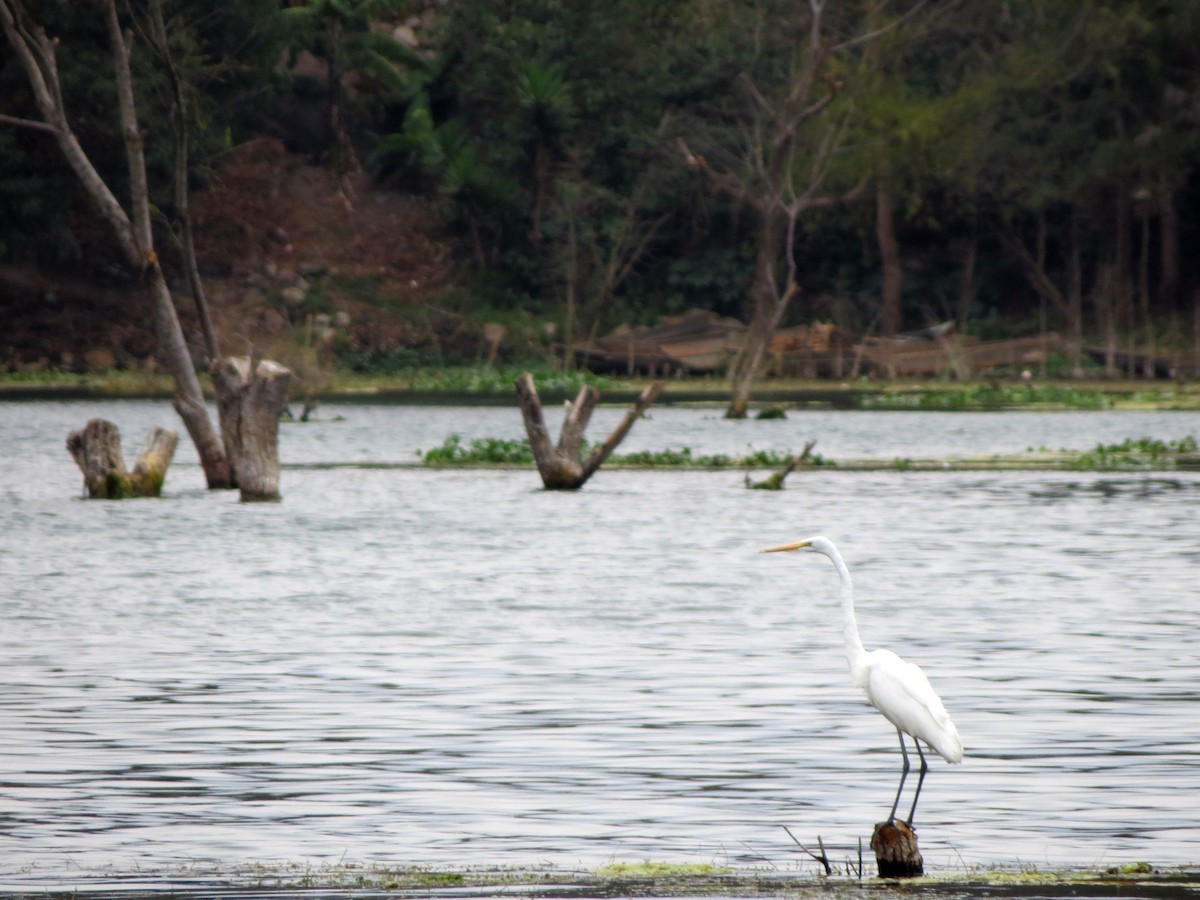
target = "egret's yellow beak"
x: 798, y: 545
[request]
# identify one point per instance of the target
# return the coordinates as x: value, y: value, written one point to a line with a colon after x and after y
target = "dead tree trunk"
x: 96, y: 449
x: 774, y: 482
x: 562, y: 467
x: 896, y: 853
x: 37, y: 51
x: 251, y: 398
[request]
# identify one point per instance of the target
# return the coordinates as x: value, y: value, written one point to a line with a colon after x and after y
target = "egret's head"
x: 818, y: 544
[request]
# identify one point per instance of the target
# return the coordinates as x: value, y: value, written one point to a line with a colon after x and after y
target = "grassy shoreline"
x: 649, y: 879
x: 487, y: 387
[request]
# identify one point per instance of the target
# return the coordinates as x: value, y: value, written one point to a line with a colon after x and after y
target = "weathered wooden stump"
x: 96, y: 449
x: 896, y: 853
x: 250, y: 399
x: 562, y: 467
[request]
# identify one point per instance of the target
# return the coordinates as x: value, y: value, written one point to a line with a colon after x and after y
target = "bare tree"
x: 789, y: 144
x: 36, y: 52
x: 562, y: 465
x: 158, y: 38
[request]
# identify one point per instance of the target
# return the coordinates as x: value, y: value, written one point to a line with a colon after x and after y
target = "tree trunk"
x: 97, y: 451
x: 1075, y: 301
x: 1122, y: 282
x: 774, y: 482
x: 1196, y: 333
x: 966, y: 283
x: 601, y: 453
x: 766, y: 313
x: 189, y: 398
x: 179, y: 128
x: 559, y: 472
x: 896, y: 853
x: 343, y: 156
x: 251, y: 399
x: 150, y: 470
x: 1168, y: 284
x: 561, y: 467
x: 1107, y: 306
x: 889, y: 255
x: 1144, y: 297
x: 758, y: 340
x: 36, y: 52
x: 754, y: 354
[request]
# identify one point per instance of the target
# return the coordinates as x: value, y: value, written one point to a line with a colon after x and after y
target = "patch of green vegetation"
x: 407, y: 369
x: 41, y: 376
x: 991, y: 396
x: 316, y: 302
x: 480, y: 451
x: 351, y: 875
x: 772, y: 412
x: 367, y: 288
x: 115, y: 382
x: 1138, y: 868
x: 1142, y: 453
x: 650, y: 459
x: 501, y: 451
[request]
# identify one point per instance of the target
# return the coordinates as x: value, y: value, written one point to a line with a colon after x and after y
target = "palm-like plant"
x: 339, y: 31
x: 544, y: 98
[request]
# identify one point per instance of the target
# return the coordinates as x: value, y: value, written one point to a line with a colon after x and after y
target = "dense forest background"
x: 401, y: 177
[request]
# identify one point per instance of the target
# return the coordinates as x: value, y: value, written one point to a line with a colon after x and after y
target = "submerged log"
x: 774, y: 482
x: 561, y: 466
x: 96, y: 449
x: 896, y: 853
x: 250, y: 399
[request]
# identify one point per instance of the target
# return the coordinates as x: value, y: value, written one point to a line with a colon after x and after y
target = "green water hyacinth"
x: 501, y: 451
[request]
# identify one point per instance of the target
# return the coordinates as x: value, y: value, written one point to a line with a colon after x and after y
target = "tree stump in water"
x: 250, y: 399
x: 96, y: 449
x: 562, y: 467
x: 896, y: 853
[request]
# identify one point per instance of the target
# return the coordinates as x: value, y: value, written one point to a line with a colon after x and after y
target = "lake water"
x: 407, y: 667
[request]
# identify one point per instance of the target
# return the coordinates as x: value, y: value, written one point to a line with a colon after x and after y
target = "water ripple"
x: 456, y: 668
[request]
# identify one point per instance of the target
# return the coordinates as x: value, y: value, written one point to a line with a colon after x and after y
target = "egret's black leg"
x: 920, y: 781
x: 903, y: 775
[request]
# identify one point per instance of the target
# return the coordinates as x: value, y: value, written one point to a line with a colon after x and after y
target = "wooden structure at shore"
x: 959, y: 355
x: 697, y: 342
x: 700, y: 342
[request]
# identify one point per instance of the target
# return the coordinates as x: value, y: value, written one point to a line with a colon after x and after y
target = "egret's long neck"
x: 855, y: 652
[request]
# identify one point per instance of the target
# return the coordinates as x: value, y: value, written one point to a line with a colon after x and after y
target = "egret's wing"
x: 902, y: 692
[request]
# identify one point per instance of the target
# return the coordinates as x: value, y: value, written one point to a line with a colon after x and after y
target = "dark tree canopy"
x: 1023, y: 164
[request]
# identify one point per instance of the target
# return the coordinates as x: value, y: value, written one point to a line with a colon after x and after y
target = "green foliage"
x: 545, y: 133
x: 401, y: 366
x: 480, y: 451
x: 544, y: 97
x: 492, y: 451
x: 990, y: 396
x: 1140, y: 453
x: 340, y: 31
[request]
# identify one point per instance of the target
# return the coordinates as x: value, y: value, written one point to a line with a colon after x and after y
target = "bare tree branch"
x: 28, y: 123
x: 884, y: 29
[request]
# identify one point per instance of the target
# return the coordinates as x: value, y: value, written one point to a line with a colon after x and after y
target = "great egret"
x: 896, y: 688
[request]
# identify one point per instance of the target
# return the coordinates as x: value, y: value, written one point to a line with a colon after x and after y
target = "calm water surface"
x: 401, y: 666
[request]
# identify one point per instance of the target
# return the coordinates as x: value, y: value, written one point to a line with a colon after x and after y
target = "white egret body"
x: 898, y: 689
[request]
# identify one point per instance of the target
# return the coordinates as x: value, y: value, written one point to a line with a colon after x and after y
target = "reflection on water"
x: 457, y: 668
